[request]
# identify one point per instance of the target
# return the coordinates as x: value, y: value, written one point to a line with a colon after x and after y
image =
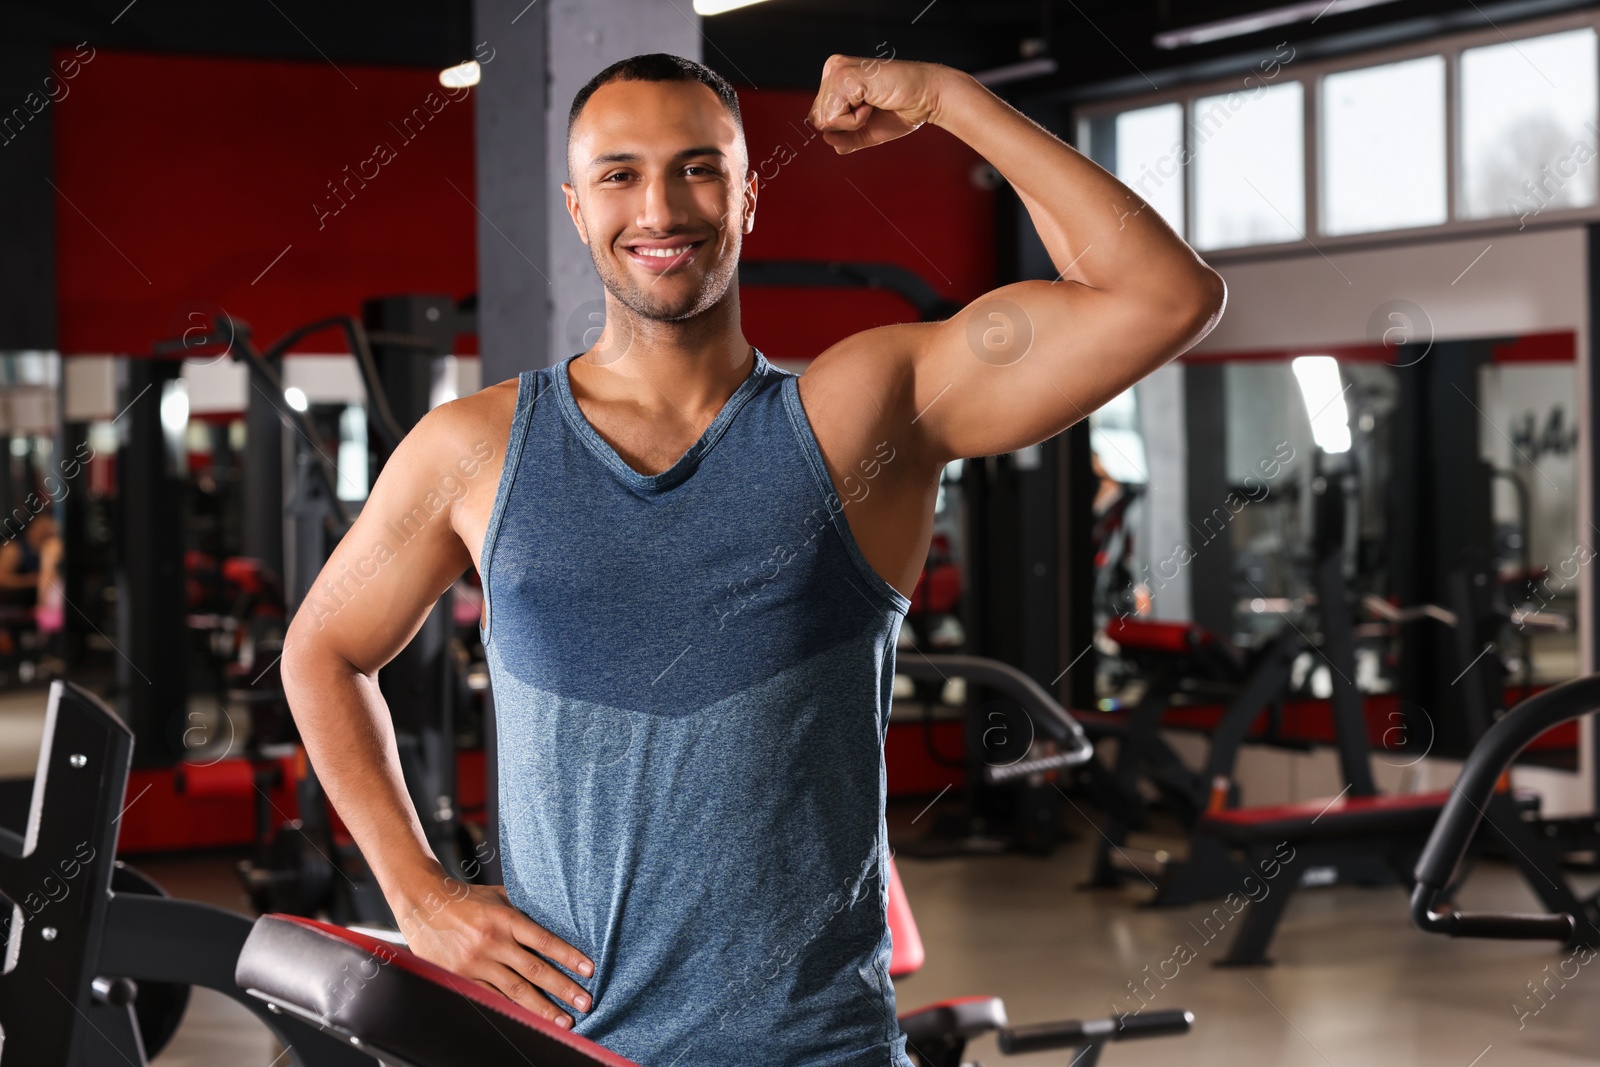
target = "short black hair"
x: 657, y: 67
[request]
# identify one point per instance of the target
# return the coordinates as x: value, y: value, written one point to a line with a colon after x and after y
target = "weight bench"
x: 1367, y: 832
x: 407, y: 1012
x: 1171, y: 654
x: 1209, y: 872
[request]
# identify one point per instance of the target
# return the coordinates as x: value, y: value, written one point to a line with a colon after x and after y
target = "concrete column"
x: 585, y: 38
x: 509, y: 105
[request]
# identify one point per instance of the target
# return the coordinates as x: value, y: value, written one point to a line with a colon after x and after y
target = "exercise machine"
x: 1174, y: 654
x: 937, y: 1034
x: 1027, y: 738
x: 303, y: 865
x: 102, y: 959
x: 1453, y: 833
x: 1352, y: 830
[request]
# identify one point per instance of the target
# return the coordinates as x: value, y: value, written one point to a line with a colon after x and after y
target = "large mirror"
x: 1442, y: 479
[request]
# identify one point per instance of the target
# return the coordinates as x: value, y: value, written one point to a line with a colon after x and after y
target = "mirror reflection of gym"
x: 1408, y: 511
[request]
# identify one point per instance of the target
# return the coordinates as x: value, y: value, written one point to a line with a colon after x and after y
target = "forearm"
x: 49, y: 568
x: 348, y: 734
x: 1098, y: 231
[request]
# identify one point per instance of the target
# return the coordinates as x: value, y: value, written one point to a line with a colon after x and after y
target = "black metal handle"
x: 382, y: 419
x: 1070, y: 1033
x: 907, y: 284
x: 233, y: 336
x: 1022, y: 768
x: 1054, y: 721
x: 1502, y: 927
x: 1458, y: 822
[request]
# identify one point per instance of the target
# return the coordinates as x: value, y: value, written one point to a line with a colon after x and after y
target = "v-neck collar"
x: 686, y: 463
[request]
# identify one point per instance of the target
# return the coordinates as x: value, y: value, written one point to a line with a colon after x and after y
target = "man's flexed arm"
x: 1027, y: 360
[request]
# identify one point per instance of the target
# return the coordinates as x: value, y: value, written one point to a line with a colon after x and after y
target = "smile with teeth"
x: 657, y: 259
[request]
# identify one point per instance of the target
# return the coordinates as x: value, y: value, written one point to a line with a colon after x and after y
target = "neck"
x: 691, y: 366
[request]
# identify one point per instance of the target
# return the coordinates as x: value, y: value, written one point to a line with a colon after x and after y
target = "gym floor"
x: 1354, y: 983
x: 21, y: 730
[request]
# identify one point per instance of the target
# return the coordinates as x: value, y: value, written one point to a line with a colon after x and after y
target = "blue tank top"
x: 692, y: 673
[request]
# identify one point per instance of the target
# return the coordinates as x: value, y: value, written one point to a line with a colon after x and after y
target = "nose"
x: 663, y: 207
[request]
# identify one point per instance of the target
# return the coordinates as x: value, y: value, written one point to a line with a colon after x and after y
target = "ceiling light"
x: 1028, y: 68
x: 717, y: 7
x: 460, y: 76
x: 1240, y: 25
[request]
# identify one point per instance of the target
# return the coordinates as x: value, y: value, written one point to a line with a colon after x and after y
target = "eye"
x: 619, y: 174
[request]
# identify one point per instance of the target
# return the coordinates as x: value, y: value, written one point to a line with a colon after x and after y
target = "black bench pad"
x: 395, y: 1004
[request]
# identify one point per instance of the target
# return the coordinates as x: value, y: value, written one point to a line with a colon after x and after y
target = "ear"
x: 575, y: 211
x: 750, y: 202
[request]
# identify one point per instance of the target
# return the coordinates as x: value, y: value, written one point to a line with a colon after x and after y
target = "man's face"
x: 662, y: 194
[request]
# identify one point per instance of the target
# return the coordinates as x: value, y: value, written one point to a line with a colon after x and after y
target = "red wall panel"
x: 188, y: 182
x: 910, y: 202
x: 182, y: 179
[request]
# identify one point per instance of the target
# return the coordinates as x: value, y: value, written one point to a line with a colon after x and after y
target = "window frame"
x: 1309, y: 73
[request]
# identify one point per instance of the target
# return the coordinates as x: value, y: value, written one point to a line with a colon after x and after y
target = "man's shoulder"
x: 490, y: 409
x: 477, y: 424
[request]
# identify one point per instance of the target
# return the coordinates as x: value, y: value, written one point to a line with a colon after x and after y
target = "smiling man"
x: 695, y: 567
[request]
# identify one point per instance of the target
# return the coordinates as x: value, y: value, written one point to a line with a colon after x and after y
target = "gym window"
x: 1372, y: 119
x: 1527, y: 114
x: 1469, y: 133
x: 1249, y: 183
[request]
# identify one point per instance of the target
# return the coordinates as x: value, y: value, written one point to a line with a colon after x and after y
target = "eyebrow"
x: 633, y: 157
